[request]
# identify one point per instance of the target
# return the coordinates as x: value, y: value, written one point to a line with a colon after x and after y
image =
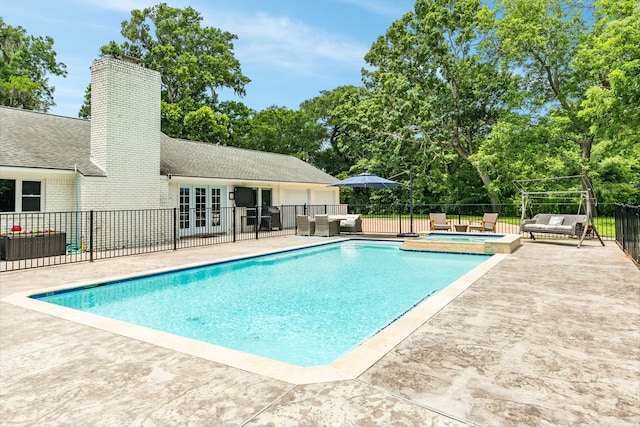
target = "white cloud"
x: 282, y: 43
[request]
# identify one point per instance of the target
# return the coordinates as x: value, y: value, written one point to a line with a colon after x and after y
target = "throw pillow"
x: 556, y: 220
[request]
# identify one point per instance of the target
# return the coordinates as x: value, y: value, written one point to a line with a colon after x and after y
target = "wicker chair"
x: 489, y: 221
x: 439, y: 221
x: 326, y: 227
x: 306, y: 226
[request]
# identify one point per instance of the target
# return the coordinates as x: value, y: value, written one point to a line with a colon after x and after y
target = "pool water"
x: 306, y: 307
x: 452, y: 237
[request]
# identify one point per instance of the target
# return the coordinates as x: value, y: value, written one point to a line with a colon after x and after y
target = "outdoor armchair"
x: 439, y: 221
x: 489, y: 221
x: 326, y: 227
x: 306, y: 226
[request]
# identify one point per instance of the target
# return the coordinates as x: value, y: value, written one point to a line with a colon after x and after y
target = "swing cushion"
x: 554, y: 224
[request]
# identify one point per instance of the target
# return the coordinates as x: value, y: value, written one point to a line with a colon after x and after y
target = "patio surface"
x: 549, y: 336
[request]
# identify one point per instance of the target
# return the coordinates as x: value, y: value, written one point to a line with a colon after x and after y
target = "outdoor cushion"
x: 556, y: 220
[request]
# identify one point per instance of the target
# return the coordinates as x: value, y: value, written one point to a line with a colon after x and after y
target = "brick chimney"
x: 125, y: 134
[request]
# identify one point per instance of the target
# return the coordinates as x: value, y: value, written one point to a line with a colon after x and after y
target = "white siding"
x: 324, y: 197
x: 294, y: 196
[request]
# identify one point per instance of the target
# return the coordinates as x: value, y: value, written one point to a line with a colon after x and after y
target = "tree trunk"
x: 486, y: 181
x: 484, y: 177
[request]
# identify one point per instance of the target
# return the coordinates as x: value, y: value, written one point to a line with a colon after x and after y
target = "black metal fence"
x: 628, y: 230
x: 37, y: 239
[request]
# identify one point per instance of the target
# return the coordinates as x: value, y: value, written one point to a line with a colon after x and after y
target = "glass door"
x: 200, y: 210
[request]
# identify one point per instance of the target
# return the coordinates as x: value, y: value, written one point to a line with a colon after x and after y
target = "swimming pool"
x: 468, y: 243
x: 304, y: 307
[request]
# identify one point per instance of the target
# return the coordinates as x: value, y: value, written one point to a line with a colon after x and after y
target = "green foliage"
x: 239, y: 121
x: 617, y: 172
x: 323, y: 109
x: 206, y: 125
x: 26, y: 63
x: 432, y: 97
x: 587, y: 77
x: 472, y: 99
x: 521, y: 149
x: 195, y: 63
x: 85, y: 109
x: 611, y: 58
x: 280, y: 130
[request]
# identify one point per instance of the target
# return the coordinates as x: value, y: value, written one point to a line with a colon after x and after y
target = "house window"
x: 7, y: 195
x: 20, y: 196
x: 30, y: 196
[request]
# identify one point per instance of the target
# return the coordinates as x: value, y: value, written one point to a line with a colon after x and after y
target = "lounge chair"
x: 439, y: 221
x: 489, y: 221
x: 349, y: 223
x: 306, y: 226
x: 326, y: 227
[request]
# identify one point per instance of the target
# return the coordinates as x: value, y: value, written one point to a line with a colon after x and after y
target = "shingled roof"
x: 198, y: 159
x: 30, y: 139
x: 36, y: 140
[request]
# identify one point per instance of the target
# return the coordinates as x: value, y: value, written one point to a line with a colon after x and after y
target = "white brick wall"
x: 60, y: 195
x: 125, y: 137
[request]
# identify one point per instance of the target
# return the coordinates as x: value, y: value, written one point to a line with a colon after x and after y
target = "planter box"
x: 23, y: 246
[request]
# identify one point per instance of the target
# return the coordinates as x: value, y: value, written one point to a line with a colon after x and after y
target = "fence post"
x: 233, y: 222
x: 91, y: 235
x: 175, y: 228
x: 257, y: 221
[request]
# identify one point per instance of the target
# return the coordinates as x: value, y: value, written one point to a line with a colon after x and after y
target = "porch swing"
x: 534, y: 195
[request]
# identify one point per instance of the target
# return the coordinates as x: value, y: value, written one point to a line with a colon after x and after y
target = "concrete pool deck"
x: 549, y: 336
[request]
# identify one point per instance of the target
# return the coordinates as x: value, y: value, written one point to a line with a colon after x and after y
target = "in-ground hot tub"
x: 464, y: 243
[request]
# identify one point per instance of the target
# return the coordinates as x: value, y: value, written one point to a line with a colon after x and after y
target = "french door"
x: 200, y: 210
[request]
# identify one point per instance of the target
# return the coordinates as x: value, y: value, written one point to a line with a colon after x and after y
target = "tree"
x: 519, y: 148
x: 195, y: 62
x: 432, y: 90
x: 280, y: 130
x: 239, y: 121
x: 584, y: 78
x: 26, y: 63
x: 610, y: 57
x: 206, y: 125
x: 323, y: 109
x: 541, y: 38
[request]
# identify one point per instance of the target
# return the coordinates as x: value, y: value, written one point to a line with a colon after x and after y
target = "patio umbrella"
x: 367, y: 180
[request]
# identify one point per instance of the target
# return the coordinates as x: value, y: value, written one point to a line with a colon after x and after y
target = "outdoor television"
x: 244, y: 196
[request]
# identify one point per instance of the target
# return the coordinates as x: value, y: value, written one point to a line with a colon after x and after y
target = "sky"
x: 290, y: 49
